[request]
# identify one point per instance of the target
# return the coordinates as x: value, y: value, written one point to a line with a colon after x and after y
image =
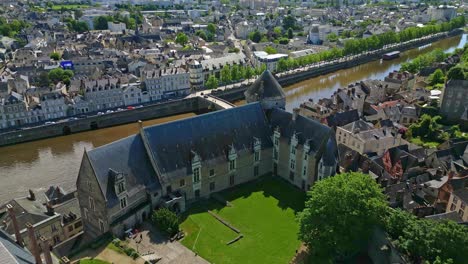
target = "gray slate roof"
x: 11, y: 253
x: 306, y: 129
x: 209, y: 136
x: 265, y: 86
x: 126, y: 156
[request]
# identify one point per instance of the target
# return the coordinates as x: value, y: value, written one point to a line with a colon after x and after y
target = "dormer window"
x: 232, y: 158
x: 119, y: 183
x: 257, y: 149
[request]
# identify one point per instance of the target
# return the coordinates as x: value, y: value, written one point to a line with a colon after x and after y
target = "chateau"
x: 176, y: 163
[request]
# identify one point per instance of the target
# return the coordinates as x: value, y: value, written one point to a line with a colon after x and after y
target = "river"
x: 56, y: 161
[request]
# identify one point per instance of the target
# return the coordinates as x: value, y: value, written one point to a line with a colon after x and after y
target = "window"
x: 305, y: 157
x: 70, y: 228
x: 256, y: 171
x: 196, y: 175
x: 78, y: 224
x: 452, y: 207
x: 91, y: 203
x: 231, y: 180
x: 304, y: 171
x: 293, y: 150
x: 121, y: 187
x: 123, y: 202
x: 257, y: 156
x: 232, y: 165
x: 212, y: 172
x: 212, y: 186
x: 275, y: 154
x: 197, y: 193
x: 54, y: 228
x: 293, y: 164
x: 291, y: 176
x: 276, y: 141
x: 182, y: 183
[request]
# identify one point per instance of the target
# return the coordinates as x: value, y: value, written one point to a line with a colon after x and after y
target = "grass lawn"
x: 93, y: 261
x: 421, y: 142
x: 263, y: 211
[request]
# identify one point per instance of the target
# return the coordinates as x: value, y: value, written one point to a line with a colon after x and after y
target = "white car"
x: 100, y: 113
x: 109, y: 111
x: 49, y: 123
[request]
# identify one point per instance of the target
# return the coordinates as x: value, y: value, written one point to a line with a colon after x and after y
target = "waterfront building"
x: 103, y: 93
x: 54, y: 105
x: 13, y: 110
x: 166, y: 83
x: 201, y: 70
x: 177, y: 163
x: 270, y: 60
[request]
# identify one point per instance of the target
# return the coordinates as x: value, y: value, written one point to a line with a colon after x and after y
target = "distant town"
x: 198, y: 148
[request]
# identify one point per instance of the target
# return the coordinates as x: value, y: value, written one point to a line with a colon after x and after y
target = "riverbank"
x: 231, y: 93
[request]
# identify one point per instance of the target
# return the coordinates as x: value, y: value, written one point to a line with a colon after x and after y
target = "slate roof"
x: 126, y: 156
x: 462, y: 194
x: 12, y: 253
x: 358, y: 126
x: 266, y: 86
x: 209, y: 136
x: 27, y: 211
x: 454, y: 216
x: 319, y: 136
x: 344, y: 118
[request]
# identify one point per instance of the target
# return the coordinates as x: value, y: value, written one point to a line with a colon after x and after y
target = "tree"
x: 55, y: 56
x: 235, y: 74
x: 181, y: 39
x: 270, y: 50
x: 437, y: 77
x: 201, y: 34
x: 249, y: 72
x: 340, y: 214
x: 212, y: 82
x: 255, y: 36
x: 78, y: 13
x: 166, y: 220
x: 290, y: 33
x: 433, y: 241
x: 332, y: 37
x: 456, y: 73
x: 100, y: 23
x: 43, y: 80
x: 211, y: 28
x: 289, y: 22
x: 60, y: 75
x: 226, y: 74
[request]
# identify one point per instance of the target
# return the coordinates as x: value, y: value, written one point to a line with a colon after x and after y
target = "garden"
x: 255, y: 224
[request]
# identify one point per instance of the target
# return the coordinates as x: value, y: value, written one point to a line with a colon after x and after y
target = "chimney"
x: 140, y: 124
x: 46, y: 250
x: 295, y: 113
x: 12, y: 215
x: 33, y: 243
x: 32, y: 196
x: 50, y: 209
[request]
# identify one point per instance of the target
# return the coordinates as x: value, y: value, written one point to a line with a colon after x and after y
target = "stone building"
x: 454, y: 102
x: 174, y: 164
x: 166, y: 83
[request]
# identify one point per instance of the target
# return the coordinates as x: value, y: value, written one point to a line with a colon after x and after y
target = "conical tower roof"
x: 266, y: 86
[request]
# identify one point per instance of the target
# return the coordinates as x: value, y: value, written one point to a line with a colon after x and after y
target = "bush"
x: 166, y: 220
x: 129, y: 251
x: 135, y: 255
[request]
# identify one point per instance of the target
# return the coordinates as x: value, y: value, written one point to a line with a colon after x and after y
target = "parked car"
x: 109, y: 111
x: 130, y: 107
x: 120, y: 109
x: 49, y: 123
x: 100, y: 113
x: 140, y: 106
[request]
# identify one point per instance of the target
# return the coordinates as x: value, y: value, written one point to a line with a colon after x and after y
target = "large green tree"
x: 181, y: 39
x: 434, y: 241
x: 212, y: 82
x: 340, y: 214
x: 100, y: 23
x: 226, y: 74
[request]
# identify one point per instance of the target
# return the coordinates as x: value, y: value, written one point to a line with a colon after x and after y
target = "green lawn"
x: 263, y: 211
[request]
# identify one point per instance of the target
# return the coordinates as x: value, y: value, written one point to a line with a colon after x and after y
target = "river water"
x: 56, y: 161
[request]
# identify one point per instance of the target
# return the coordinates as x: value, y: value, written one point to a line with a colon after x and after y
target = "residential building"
x: 166, y: 83
x: 458, y: 202
x: 364, y: 138
x: 270, y: 60
x: 103, y: 93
